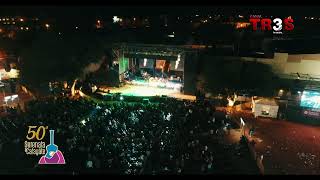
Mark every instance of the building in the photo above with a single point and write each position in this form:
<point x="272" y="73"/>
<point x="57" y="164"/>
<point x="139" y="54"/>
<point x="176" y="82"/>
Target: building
<point x="292" y="66"/>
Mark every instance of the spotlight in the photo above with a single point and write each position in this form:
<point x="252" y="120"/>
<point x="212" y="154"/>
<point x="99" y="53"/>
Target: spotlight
<point x="144" y="61"/>
<point x="177" y="62"/>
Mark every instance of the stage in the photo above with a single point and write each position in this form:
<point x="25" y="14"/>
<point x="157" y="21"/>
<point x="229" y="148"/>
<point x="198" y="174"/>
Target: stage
<point x="146" y="91"/>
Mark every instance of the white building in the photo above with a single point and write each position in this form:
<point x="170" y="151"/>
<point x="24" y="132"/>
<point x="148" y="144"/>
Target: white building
<point x="303" y="66"/>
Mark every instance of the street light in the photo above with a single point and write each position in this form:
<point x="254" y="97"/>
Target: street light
<point x="116" y="19"/>
<point x="4" y="94"/>
<point x="242" y="124"/>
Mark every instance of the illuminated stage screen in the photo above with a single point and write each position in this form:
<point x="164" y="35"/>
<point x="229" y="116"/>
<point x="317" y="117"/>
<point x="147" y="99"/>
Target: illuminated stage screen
<point x="310" y="99"/>
<point x="146" y="63"/>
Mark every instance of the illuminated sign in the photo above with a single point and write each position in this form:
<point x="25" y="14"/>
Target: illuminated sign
<point x="310" y="99"/>
<point x="311" y="113"/>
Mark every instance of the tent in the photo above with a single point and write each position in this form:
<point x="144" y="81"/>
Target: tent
<point x="265" y="108"/>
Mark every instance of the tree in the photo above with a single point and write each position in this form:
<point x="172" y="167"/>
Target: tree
<point x="53" y="57"/>
<point x="232" y="73"/>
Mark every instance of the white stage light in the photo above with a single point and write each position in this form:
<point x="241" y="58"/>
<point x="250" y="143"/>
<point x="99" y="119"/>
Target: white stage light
<point x="177" y="62"/>
<point x="145" y="61"/>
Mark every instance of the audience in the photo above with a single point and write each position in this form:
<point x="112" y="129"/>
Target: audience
<point x="171" y="137"/>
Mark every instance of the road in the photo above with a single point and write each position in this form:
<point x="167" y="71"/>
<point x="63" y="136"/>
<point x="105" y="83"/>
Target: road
<point x="287" y="147"/>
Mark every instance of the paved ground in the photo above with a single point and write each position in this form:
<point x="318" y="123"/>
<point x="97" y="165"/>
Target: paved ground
<point x="287" y="147"/>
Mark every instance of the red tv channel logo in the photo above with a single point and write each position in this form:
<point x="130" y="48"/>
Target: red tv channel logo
<point x="278" y="25"/>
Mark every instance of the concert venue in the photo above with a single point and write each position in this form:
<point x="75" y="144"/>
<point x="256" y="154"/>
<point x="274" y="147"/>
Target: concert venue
<point x="159" y="91"/>
<point x="147" y="70"/>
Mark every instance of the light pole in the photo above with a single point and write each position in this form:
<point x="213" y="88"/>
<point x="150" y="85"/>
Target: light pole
<point x="4" y="95"/>
<point x="243" y="125"/>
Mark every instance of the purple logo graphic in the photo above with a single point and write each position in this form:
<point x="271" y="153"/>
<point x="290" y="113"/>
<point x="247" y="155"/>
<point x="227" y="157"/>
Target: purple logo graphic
<point x="53" y="155"/>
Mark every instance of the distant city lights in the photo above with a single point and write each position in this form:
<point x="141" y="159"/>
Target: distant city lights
<point x="98" y="25"/>
<point x="116" y="19"/>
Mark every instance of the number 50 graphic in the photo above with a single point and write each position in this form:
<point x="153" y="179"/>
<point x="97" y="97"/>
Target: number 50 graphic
<point x="36" y="134"/>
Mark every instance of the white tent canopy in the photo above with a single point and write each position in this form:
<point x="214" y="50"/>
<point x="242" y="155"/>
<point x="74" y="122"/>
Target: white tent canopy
<point x="265" y="108"/>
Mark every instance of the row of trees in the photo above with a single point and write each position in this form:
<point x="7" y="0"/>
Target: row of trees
<point x="217" y="73"/>
<point x="52" y="57"/>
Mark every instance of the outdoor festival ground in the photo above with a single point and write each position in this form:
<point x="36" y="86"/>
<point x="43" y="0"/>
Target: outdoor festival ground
<point x="287" y="147"/>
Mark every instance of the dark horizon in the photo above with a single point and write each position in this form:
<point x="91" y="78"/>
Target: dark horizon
<point x="56" y="11"/>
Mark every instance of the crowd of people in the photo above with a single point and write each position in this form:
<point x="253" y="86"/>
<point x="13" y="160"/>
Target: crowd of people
<point x="171" y="137"/>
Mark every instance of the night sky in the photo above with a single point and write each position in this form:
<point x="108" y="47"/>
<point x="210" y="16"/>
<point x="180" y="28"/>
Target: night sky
<point x="62" y="11"/>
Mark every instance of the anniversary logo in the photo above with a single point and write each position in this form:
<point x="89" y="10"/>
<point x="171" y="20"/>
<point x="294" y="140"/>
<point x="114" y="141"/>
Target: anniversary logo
<point x="34" y="144"/>
<point x="50" y="153"/>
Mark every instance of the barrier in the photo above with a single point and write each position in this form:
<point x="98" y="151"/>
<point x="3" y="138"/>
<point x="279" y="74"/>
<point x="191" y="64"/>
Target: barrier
<point x="128" y="98"/>
<point x="254" y="155"/>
